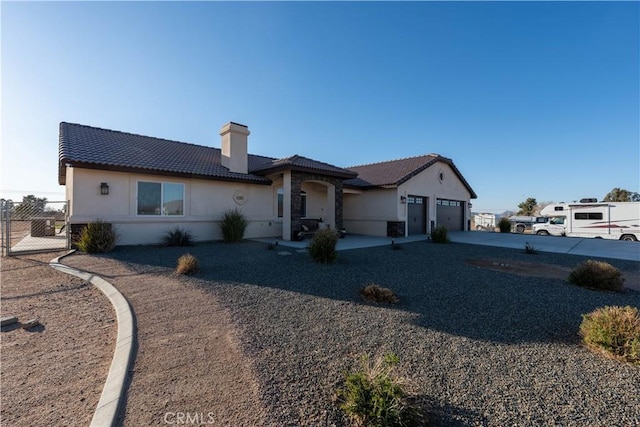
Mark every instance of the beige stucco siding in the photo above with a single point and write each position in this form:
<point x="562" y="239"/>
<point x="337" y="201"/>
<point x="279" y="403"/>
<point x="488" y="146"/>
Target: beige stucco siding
<point x="367" y="213"/>
<point x="204" y="203"/>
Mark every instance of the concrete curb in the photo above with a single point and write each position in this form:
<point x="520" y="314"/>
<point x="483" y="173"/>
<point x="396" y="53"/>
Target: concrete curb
<point x="114" y="387"/>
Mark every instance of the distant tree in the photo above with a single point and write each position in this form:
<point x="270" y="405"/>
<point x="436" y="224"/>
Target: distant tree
<point x="621" y="195"/>
<point x="31" y="205"/>
<point x="528" y="207"/>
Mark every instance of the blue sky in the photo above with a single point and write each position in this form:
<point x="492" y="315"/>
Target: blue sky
<point x="529" y="99"/>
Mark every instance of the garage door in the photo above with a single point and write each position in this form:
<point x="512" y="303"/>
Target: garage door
<point x="417" y="215"/>
<point x="450" y="213"/>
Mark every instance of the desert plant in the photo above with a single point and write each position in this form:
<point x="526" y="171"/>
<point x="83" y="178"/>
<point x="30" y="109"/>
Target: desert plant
<point x="375" y="293"/>
<point x="613" y="331"/>
<point x="504" y="225"/>
<point x="177" y="237"/>
<point x="439" y="234"/>
<point x="598" y="275"/>
<point x="233" y="225"/>
<point x="530" y="249"/>
<point x="323" y="246"/>
<point x="375" y="396"/>
<point x="97" y="237"/>
<point x="187" y="264"/>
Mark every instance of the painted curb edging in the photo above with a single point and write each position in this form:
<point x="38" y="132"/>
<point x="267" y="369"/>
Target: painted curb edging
<point x="113" y="391"/>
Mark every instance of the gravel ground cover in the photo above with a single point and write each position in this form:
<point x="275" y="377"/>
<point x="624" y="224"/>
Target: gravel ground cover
<point x="482" y="347"/>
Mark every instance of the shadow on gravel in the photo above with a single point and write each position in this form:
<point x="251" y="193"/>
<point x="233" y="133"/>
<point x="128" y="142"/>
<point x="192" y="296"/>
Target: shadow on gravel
<point x="434" y="284"/>
<point x="448" y="415"/>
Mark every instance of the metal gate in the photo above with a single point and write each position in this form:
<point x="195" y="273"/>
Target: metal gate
<point x="33" y="225"/>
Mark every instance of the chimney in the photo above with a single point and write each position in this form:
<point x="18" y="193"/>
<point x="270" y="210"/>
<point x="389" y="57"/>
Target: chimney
<point x="234" y="147"/>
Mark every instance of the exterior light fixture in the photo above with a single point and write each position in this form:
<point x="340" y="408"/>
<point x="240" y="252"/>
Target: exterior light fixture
<point x="104" y="188"/>
<point x="403" y="199"/>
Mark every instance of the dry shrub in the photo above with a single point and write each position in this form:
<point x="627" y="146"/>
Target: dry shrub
<point x="378" y="294"/>
<point x="613" y="331"/>
<point x="323" y="246"/>
<point x="97" y="237"/>
<point x="597" y="275"/>
<point x="188" y="264"/>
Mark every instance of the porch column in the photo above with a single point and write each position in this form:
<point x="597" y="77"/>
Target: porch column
<point x="286" y="205"/>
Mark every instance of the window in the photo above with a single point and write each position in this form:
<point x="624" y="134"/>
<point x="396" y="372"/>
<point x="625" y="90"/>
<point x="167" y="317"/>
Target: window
<point x="303" y="204"/>
<point x="280" y="196"/>
<point x="588" y="215"/>
<point x="559" y="220"/>
<point x="160" y="198"/>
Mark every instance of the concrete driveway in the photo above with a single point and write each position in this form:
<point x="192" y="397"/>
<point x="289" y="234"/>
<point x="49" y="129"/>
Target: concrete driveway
<point x="566" y="245"/>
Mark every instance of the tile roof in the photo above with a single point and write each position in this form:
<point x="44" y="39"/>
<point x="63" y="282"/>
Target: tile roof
<point x="306" y="164"/>
<point x="396" y="172"/>
<point x="91" y="147"/>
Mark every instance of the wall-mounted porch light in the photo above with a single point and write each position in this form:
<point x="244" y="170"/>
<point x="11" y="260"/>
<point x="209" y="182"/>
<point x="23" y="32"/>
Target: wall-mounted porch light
<point x="104" y="188"/>
<point x="403" y="199"/>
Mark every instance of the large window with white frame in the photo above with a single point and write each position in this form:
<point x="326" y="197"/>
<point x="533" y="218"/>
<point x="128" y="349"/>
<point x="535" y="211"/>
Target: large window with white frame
<point x="160" y="198"/>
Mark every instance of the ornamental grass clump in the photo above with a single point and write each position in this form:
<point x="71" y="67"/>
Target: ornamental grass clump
<point x="439" y="234"/>
<point x="504" y="225"/>
<point x="177" y="237"/>
<point x="378" y="294"/>
<point x="614" y="332"/>
<point x="97" y="237"/>
<point x="375" y="396"/>
<point x="233" y="226"/>
<point x="187" y="264"/>
<point x="323" y="246"/>
<point x="597" y="275"/>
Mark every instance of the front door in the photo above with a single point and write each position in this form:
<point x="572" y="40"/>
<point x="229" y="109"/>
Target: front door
<point x="417" y="215"/>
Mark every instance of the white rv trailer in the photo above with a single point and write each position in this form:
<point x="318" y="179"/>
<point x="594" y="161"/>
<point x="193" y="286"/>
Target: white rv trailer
<point x="606" y="220"/>
<point x="484" y="221"/>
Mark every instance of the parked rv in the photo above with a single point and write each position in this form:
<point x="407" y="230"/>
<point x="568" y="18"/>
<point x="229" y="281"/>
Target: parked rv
<point x="521" y="223"/>
<point x="606" y="220"/>
<point x="484" y="221"/>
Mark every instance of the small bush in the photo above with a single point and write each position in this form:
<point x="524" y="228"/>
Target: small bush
<point x="323" y="246"/>
<point x="233" y="226"/>
<point x="97" y="237"/>
<point x="439" y="234"/>
<point x="374" y="396"/>
<point x="504" y="225"/>
<point x="597" y="275"/>
<point x="613" y="331"/>
<point x="529" y="249"/>
<point x="187" y="264"/>
<point x="178" y="237"/>
<point x="375" y="293"/>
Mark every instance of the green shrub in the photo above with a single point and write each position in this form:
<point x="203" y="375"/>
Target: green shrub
<point x="233" y="226"/>
<point x="374" y="396"/>
<point x="178" y="237"/>
<point x="375" y="293"/>
<point x="613" y="331"/>
<point x="439" y="234"/>
<point x="504" y="225"/>
<point x="97" y="237"/>
<point x="187" y="264"/>
<point x="597" y="275"/>
<point x="323" y="246"/>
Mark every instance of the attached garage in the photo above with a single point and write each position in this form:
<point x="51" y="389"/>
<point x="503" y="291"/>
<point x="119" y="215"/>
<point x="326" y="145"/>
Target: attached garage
<point x="450" y="213"/>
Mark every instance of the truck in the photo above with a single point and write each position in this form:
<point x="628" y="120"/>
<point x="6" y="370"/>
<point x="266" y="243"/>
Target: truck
<point x="604" y="220"/>
<point x="484" y="221"/>
<point x="521" y="223"/>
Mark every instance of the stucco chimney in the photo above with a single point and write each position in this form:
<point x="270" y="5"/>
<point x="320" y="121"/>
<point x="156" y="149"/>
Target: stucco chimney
<point x="234" y="147"/>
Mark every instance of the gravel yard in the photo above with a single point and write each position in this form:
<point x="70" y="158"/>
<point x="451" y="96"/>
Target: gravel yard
<point x="483" y="347"/>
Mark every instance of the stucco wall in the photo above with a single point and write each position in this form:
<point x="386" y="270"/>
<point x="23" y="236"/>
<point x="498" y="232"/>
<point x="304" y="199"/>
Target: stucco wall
<point x="205" y="202"/>
<point x="428" y="184"/>
<point x="367" y="213"/>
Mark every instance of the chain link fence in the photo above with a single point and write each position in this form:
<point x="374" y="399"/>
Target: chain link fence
<point x="33" y="226"/>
